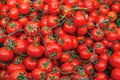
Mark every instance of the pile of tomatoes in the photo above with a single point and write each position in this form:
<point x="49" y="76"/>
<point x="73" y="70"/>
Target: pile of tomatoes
<point x="60" y="40"/>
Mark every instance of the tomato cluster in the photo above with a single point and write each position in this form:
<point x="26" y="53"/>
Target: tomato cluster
<point x="60" y="40"/>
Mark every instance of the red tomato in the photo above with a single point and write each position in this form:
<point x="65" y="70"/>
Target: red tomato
<point x="6" y="54"/>
<point x="14" y="13"/>
<point x="115" y="73"/>
<point x="100" y="76"/>
<point x="45" y="64"/>
<point x="30" y="63"/>
<point x="79" y="19"/>
<point x="35" y="50"/>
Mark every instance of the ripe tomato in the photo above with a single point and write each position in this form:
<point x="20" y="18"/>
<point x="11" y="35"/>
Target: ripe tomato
<point x="11" y="3"/>
<point x="115" y="73"/>
<point x="24" y="8"/>
<point x="54" y="51"/>
<point x="65" y="57"/>
<point x="13" y="26"/>
<point x="79" y="19"/>
<point x="6" y="54"/>
<point x="30" y="63"/>
<point x="114" y="59"/>
<point x="65" y="42"/>
<point x="16" y="74"/>
<point x="111" y="36"/>
<point x="14" y="13"/>
<point x="37" y="73"/>
<point x="104" y="9"/>
<point x="12" y="67"/>
<point x="45" y="64"/>
<point x="35" y="50"/>
<point x="112" y="15"/>
<point x="100" y="76"/>
<point x="101" y="66"/>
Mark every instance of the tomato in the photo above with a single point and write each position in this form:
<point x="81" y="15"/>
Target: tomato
<point x="32" y="39"/>
<point x="88" y="42"/>
<point x="65" y="57"/>
<point x="20" y="45"/>
<point x="23" y="21"/>
<point x="32" y="28"/>
<point x="13" y="67"/>
<point x="89" y="5"/>
<point x="105" y="56"/>
<point x="94" y="14"/>
<point x="89" y="68"/>
<point x="2" y="73"/>
<point x="67" y="67"/>
<point x="13" y="26"/>
<point x="3" y="22"/>
<point x="116" y="46"/>
<point x="52" y="21"/>
<point x="45" y="64"/>
<point x="69" y="28"/>
<point x="35" y="50"/>
<point x="4" y="10"/>
<point x="116" y="7"/>
<point x="24" y="8"/>
<point x="104" y="9"/>
<point x="6" y="54"/>
<point x="112" y="15"/>
<point x="54" y="51"/>
<point x="37" y="73"/>
<point x="115" y="73"/>
<point x="111" y="36"/>
<point x="14" y="13"/>
<point x="99" y="47"/>
<point x="101" y="21"/>
<point x="52" y="76"/>
<point x="114" y="59"/>
<point x="65" y="42"/>
<point x="60" y="32"/>
<point x="11" y="3"/>
<point x="30" y="63"/>
<point x="65" y="10"/>
<point x="96" y="4"/>
<point x="38" y="5"/>
<point x="53" y="6"/>
<point x="100" y="76"/>
<point x="101" y="66"/>
<point x="82" y="31"/>
<point x="46" y="30"/>
<point x="75" y="42"/>
<point x="49" y="39"/>
<point x="16" y="74"/>
<point x="80" y="75"/>
<point x="79" y="19"/>
<point x="69" y="2"/>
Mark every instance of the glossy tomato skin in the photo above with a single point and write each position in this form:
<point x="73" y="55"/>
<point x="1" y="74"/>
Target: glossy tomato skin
<point x="67" y="67"/>
<point x="65" y="57"/>
<point x="23" y="21"/>
<point x="21" y="46"/>
<point x="12" y="67"/>
<point x="54" y="50"/>
<point x="53" y="6"/>
<point x="13" y="26"/>
<point x="24" y="8"/>
<point x="69" y="28"/>
<point x="90" y="5"/>
<point x="30" y="63"/>
<point x="101" y="66"/>
<point x="65" y="42"/>
<point x="104" y="9"/>
<point x="100" y="76"/>
<point x="42" y="64"/>
<point x="6" y="55"/>
<point x="115" y="73"/>
<point x="111" y="36"/>
<point x="14" y="13"/>
<point x="79" y="19"/>
<point x="37" y="73"/>
<point x="14" y="75"/>
<point x="35" y="50"/>
<point x="11" y="3"/>
<point x="114" y="59"/>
